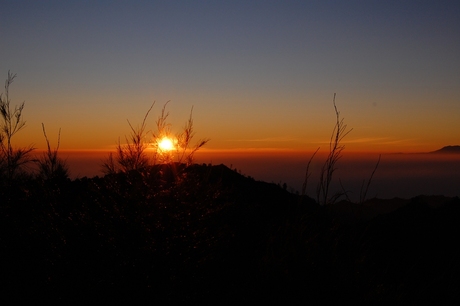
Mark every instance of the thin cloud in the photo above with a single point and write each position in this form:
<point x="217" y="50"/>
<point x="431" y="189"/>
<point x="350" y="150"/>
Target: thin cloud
<point x="269" y="139"/>
<point x="379" y="140"/>
<point x="367" y="140"/>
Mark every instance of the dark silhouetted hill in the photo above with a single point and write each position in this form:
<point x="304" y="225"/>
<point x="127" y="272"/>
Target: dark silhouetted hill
<point x="208" y="235"/>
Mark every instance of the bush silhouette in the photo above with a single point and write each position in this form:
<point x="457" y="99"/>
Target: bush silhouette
<point x="133" y="156"/>
<point x="50" y="166"/>
<point x="12" y="160"/>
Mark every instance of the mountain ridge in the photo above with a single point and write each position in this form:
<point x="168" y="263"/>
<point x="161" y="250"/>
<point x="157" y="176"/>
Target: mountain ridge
<point x="455" y="149"/>
<point x="451" y="149"/>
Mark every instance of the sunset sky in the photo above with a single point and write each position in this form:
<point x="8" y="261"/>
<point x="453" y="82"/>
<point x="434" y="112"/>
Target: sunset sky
<point x="259" y="74"/>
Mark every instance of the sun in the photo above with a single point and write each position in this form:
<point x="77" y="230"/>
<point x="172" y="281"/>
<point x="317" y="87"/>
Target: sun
<point x="166" y="144"/>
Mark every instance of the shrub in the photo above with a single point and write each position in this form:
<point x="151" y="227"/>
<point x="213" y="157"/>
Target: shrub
<point x="184" y="149"/>
<point x="50" y="166"/>
<point x="133" y="156"/>
<point x="129" y="156"/>
<point x="11" y="159"/>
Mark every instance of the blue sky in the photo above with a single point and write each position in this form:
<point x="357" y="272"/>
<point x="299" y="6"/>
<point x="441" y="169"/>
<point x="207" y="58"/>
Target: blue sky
<point x="260" y="74"/>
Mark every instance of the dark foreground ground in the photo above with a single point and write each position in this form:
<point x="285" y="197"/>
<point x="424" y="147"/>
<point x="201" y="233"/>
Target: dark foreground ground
<point x="208" y="235"/>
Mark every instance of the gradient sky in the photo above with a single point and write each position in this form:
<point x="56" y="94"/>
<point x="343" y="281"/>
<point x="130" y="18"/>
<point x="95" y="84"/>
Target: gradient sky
<point x="260" y="74"/>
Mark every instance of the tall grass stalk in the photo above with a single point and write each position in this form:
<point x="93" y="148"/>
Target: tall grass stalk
<point x="335" y="153"/>
<point x="363" y="194"/>
<point x="307" y="174"/>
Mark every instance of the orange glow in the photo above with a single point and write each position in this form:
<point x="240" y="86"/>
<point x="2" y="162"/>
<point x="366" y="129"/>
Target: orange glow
<point x="166" y="144"/>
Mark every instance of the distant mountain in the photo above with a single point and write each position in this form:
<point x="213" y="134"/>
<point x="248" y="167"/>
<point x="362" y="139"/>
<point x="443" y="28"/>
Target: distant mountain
<point x="449" y="149"/>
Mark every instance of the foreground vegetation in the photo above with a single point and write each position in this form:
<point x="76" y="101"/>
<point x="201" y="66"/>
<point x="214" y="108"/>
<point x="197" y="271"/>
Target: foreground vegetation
<point x="215" y="236"/>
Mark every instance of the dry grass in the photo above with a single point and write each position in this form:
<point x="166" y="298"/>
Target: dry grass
<point x="12" y="159"/>
<point x="132" y="155"/>
<point x="50" y="166"/>
<point x="335" y="153"/>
